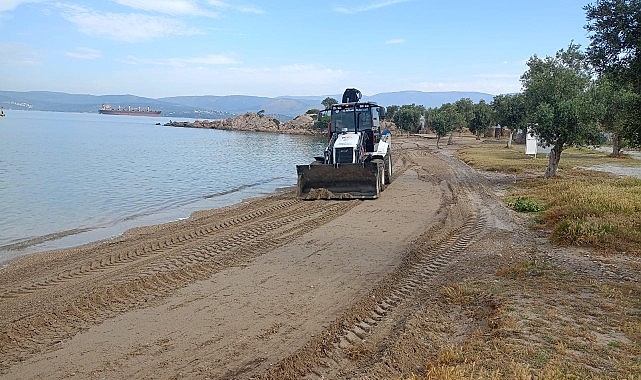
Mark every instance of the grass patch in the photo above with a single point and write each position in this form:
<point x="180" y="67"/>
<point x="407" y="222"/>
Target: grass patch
<point x="501" y="159"/>
<point x="513" y="160"/>
<point x="589" y="209"/>
<point x="461" y="294"/>
<point x="525" y="204"/>
<point x="579" y="207"/>
<point x="523" y="269"/>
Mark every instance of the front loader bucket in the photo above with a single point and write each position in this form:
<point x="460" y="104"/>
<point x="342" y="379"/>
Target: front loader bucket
<point x="341" y="181"/>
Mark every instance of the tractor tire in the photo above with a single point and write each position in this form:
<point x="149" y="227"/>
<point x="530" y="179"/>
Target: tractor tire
<point x="388" y="169"/>
<point x="381" y="178"/>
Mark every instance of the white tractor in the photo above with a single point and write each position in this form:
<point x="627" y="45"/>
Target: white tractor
<point x="357" y="162"/>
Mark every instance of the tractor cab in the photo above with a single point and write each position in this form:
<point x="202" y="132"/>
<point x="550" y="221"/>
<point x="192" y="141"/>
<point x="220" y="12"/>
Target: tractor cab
<point x="355" y="118"/>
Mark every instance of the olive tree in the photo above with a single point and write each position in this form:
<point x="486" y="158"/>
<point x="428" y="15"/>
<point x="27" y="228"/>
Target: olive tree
<point x="407" y="117"/>
<point x="444" y="120"/>
<point x="557" y="104"/>
<point x="390" y="112"/>
<point x="509" y="110"/>
<point x="465" y="107"/>
<point x="615" y="47"/>
<point x="482" y="118"/>
<point x="615" y="52"/>
<point x="615" y="108"/>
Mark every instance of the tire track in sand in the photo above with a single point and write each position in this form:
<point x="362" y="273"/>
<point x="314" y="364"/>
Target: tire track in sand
<point x="111" y="259"/>
<point x="118" y="279"/>
<point x="372" y="319"/>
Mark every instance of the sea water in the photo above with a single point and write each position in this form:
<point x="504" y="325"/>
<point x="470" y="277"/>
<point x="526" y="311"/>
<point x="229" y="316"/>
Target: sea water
<point x="71" y="178"/>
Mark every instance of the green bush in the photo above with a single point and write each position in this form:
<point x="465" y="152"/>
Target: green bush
<point x="524" y="204"/>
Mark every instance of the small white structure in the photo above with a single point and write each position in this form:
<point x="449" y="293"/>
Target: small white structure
<point x="533" y="145"/>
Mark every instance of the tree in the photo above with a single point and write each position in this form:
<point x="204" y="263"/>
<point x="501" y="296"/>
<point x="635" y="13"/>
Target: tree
<point x="328" y="102"/>
<point x="615" y="52"/>
<point x="437" y="121"/>
<point x="407" y="117"/>
<point x="509" y="111"/>
<point x="465" y="107"/>
<point x="557" y="103"/>
<point x="322" y="122"/>
<point x="444" y="120"/>
<point x="390" y="112"/>
<point x="614" y="108"/>
<point x="616" y="39"/>
<point x="482" y="118"/>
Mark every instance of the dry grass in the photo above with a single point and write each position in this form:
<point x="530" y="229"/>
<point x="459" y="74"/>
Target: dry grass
<point x="583" y="208"/>
<point x="543" y="318"/>
<point x="553" y="322"/>
<point x="461" y="294"/>
<point x="579" y="207"/>
<point x="496" y="157"/>
<point x="553" y="326"/>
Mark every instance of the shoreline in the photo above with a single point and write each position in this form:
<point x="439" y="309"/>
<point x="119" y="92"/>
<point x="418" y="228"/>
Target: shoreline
<point x="165" y="175"/>
<point x="89" y="236"/>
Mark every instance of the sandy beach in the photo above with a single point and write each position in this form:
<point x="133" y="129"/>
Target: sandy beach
<point x="281" y="288"/>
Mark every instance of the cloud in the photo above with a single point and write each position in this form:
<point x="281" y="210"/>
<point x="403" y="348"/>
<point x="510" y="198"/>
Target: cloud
<point x="7" y="5"/>
<point x="290" y="71"/>
<point x="491" y="84"/>
<point x="368" y="7"/>
<point x="292" y="79"/>
<point x="172" y="7"/>
<point x="395" y="41"/>
<point x="21" y="55"/>
<point x="85" y="54"/>
<point x="296" y="77"/>
<point x="236" y="7"/>
<point x="206" y="60"/>
<point x="129" y="27"/>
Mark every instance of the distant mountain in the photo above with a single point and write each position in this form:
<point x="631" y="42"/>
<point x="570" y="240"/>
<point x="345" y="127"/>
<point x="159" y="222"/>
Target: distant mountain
<point x="239" y="104"/>
<point x="63" y="102"/>
<point x="215" y="107"/>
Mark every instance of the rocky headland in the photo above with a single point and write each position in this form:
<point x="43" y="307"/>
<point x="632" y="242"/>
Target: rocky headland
<point x="252" y="122"/>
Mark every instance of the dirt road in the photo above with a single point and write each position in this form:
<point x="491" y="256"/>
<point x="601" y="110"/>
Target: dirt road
<point x="282" y="288"/>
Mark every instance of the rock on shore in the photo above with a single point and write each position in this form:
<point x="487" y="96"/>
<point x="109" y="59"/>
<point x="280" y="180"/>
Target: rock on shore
<point x="301" y="125"/>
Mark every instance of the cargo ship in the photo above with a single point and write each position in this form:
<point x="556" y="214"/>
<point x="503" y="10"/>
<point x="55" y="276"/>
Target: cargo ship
<point x="106" y="109"/>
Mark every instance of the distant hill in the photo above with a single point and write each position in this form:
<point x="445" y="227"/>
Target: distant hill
<point x="216" y="107"/>
<point x="239" y="104"/>
<point x="63" y="102"/>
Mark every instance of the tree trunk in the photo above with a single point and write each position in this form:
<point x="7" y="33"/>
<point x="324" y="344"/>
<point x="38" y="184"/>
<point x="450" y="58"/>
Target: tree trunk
<point x="509" y="139"/>
<point x="616" y="145"/>
<point x="478" y="134"/>
<point x="438" y="138"/>
<point x="449" y="141"/>
<point x="553" y="163"/>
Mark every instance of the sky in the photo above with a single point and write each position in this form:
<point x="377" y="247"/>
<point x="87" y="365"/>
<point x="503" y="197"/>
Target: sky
<point x="161" y="48"/>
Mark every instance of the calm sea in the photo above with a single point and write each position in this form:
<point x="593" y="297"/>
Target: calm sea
<point x="71" y="178"/>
